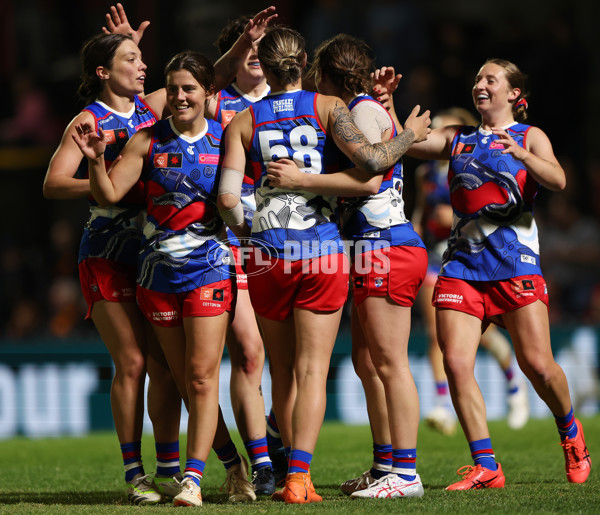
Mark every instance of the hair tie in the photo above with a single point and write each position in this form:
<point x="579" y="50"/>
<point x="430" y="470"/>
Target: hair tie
<point x="522" y="102"/>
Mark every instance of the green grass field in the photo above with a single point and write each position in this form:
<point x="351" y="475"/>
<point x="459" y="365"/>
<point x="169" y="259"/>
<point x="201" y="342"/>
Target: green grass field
<point x="84" y="475"/>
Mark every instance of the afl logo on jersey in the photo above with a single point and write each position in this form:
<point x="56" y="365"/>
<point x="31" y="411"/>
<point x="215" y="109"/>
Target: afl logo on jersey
<point x="478" y="190"/>
<point x="114" y="136"/>
<point x="168" y="160"/>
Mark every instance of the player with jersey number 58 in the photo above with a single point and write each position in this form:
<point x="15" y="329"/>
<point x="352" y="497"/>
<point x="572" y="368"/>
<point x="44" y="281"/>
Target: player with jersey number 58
<point x="491" y="269"/>
<point x="299" y="298"/>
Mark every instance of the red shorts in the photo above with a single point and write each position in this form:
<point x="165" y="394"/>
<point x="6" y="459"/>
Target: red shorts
<point x="104" y="279"/>
<point x="397" y="272"/>
<point x="241" y="278"/>
<point x="486" y="299"/>
<point x="278" y="286"/>
<point x="169" y="309"/>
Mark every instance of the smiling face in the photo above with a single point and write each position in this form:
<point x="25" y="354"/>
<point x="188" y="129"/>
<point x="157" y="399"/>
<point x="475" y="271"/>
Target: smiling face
<point x="127" y="72"/>
<point x="492" y="91"/>
<point x="186" y="97"/>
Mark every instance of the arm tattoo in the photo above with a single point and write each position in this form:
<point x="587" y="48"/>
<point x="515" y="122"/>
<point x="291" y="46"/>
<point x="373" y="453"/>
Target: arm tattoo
<point x="372" y="158"/>
<point x="345" y="127"/>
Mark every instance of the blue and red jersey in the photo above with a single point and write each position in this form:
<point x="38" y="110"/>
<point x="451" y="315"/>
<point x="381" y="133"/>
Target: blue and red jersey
<point x="494" y="236"/>
<point x="181" y="248"/>
<point x="114" y="232"/>
<point x="379" y="217"/>
<point x="231" y="101"/>
<point x="297" y="224"/>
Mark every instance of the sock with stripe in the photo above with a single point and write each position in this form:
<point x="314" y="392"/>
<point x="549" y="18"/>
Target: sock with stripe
<point x="273" y="435"/>
<point x="228" y="455"/>
<point x="299" y="461"/>
<point x="194" y="470"/>
<point x="483" y="454"/>
<point x="132" y="460"/>
<point x="167" y="459"/>
<point x="442" y="394"/>
<point x="404" y="463"/>
<point x="567" y="428"/>
<point x="258" y="454"/>
<point x="382" y="460"/>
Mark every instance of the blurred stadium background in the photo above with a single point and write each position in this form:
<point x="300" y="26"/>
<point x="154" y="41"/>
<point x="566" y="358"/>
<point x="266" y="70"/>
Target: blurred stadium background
<point x="54" y="371"/>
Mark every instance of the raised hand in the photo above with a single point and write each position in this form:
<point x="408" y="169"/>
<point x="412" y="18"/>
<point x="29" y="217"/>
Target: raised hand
<point x="255" y="28"/>
<point x="419" y="124"/>
<point x="117" y="23"/>
<point x="91" y="144"/>
<point x="385" y="82"/>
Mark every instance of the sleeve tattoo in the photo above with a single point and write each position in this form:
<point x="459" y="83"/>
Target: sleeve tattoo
<point x="373" y="158"/>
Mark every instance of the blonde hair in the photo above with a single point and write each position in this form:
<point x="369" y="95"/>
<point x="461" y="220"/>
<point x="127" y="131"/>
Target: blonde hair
<point x="281" y="53"/>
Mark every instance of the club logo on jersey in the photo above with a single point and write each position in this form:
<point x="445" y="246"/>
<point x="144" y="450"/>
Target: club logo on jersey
<point x="464" y="148"/>
<point x="378" y="282"/>
<point x="215" y="294"/>
<point x="170" y="160"/>
<point x="227" y="116"/>
<point x="114" y="136"/>
<point x="208" y="159"/>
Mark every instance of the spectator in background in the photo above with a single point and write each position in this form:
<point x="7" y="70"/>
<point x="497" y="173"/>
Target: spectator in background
<point x="32" y="111"/>
<point x="570" y="245"/>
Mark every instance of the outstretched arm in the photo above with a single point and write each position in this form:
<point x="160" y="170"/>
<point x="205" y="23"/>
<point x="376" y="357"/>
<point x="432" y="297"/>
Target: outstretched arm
<point x="284" y="173"/>
<point x="228" y="64"/>
<point x="117" y="23"/>
<point x="380" y="156"/>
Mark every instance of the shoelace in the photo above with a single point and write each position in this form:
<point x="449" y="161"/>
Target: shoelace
<point x="186" y="484"/>
<point x="572" y="451"/>
<point x="144" y="481"/>
<point x="233" y="482"/>
<point x="466" y="471"/>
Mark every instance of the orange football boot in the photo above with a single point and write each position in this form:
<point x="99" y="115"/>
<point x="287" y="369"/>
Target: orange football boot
<point x="478" y="477"/>
<point x="577" y="458"/>
<point x="298" y="489"/>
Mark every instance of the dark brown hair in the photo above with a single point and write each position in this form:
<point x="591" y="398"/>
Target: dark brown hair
<point x="231" y="32"/>
<point x="197" y="64"/>
<point x="347" y="61"/>
<point x="97" y="51"/>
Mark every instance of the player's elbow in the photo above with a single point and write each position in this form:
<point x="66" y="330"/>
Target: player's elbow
<point x="226" y="201"/>
<point x="48" y="191"/>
